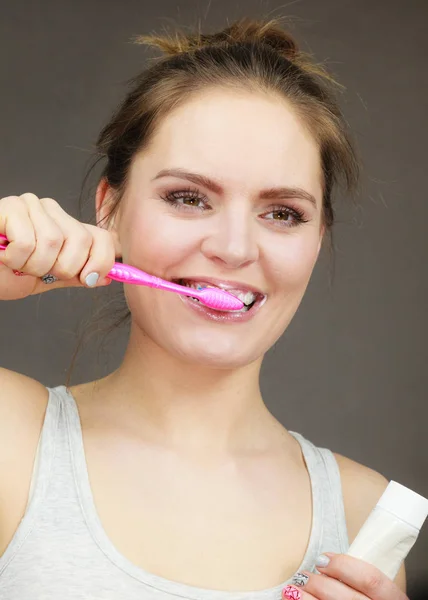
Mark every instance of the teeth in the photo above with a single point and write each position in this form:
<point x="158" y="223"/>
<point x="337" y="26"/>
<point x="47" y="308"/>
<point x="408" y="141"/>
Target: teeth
<point x="246" y="297"/>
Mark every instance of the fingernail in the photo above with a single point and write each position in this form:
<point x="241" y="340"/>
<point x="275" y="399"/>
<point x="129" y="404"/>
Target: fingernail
<point x="291" y="593"/>
<point x="92" y="279"/>
<point x="322" y="561"/>
<point x="19" y="273"/>
<point x="300" y="579"/>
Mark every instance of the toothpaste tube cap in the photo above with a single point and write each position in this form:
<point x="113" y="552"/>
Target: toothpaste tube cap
<point x="404" y="503"/>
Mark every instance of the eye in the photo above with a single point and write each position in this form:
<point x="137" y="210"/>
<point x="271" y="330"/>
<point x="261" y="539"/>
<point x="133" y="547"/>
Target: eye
<point x="186" y="199"/>
<point x="285" y="216"/>
<point x="191" y="199"/>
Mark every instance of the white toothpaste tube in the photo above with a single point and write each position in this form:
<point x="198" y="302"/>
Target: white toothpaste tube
<point x="391" y="529"/>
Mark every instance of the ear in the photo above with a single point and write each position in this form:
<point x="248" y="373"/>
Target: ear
<point x="103" y="207"/>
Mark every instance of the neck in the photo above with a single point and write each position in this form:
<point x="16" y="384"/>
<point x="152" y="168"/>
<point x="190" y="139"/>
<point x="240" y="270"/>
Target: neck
<point x="186" y="406"/>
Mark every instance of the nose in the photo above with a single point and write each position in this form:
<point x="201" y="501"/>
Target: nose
<point x="232" y="242"/>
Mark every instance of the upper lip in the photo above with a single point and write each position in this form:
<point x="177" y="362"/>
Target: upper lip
<point x="226" y="284"/>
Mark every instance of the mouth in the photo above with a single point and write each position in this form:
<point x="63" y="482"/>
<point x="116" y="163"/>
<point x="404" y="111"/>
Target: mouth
<point x="250" y="296"/>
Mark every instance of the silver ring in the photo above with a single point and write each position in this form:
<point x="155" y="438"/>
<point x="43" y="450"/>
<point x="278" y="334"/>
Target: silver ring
<point x="48" y="278"/>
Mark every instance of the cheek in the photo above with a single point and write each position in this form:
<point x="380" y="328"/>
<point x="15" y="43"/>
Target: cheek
<point x="156" y="242"/>
<point x="293" y="266"/>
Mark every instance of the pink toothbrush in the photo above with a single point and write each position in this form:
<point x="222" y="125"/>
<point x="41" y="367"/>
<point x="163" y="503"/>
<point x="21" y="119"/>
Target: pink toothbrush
<point x="211" y="297"/>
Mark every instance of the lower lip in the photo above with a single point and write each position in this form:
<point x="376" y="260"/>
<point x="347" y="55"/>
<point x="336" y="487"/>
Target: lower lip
<point x="220" y="316"/>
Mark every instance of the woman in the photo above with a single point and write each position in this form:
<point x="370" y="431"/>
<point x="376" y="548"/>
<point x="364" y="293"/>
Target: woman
<point x="170" y="478"/>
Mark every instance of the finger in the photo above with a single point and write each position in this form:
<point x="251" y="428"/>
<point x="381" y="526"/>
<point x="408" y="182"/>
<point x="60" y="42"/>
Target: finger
<point x="323" y="587"/>
<point x="76" y="245"/>
<point x="49" y="238"/>
<point x="290" y="592"/>
<point x="19" y="229"/>
<point x="87" y="251"/>
<point x="101" y="258"/>
<point x="362" y="576"/>
<point x="75" y="268"/>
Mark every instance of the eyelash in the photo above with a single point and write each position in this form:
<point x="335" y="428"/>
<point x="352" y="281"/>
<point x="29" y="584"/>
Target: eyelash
<point x="174" y="196"/>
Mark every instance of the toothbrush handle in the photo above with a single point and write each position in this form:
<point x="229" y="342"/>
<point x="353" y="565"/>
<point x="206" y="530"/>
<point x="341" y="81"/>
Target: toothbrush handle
<point x="130" y="274"/>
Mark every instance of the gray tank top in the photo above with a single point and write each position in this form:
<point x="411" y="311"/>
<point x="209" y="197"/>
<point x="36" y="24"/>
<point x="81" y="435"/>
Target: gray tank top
<point x="60" y="549"/>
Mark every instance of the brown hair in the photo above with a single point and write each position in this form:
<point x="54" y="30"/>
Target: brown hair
<point x="250" y="54"/>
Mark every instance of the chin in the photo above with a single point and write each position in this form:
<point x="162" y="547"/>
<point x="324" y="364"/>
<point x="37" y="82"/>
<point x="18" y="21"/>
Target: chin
<point x="221" y="354"/>
<point x="219" y="362"/>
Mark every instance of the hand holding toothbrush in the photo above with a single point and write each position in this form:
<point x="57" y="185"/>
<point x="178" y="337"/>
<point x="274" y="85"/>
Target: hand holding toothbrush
<point x="45" y="240"/>
<point x="40" y="241"/>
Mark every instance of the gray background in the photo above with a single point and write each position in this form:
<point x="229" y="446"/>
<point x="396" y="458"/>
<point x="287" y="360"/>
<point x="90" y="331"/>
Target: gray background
<point x="351" y="371"/>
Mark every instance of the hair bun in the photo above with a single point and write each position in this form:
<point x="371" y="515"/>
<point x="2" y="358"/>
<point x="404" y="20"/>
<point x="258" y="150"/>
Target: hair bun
<point x="263" y="32"/>
<point x="244" y="30"/>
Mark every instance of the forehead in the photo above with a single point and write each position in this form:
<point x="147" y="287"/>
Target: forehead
<point x="247" y="140"/>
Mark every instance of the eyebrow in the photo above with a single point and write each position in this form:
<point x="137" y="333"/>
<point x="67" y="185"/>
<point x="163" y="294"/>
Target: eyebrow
<point x="214" y="186"/>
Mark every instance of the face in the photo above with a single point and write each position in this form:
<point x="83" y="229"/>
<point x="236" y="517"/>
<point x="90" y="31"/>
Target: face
<point x="224" y="229"/>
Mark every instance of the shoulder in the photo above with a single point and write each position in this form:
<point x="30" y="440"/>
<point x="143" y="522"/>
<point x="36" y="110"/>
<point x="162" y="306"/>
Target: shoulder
<point x="362" y="487"/>
<point x="23" y="402"/>
<point x="16" y="389"/>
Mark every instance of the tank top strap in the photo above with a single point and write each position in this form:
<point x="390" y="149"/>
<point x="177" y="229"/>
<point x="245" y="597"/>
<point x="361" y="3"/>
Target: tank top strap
<point x="328" y="490"/>
<point x="335" y="492"/>
<point x="47" y="449"/>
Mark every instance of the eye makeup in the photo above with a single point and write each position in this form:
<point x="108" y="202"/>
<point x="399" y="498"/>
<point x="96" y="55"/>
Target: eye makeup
<point x="188" y="199"/>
